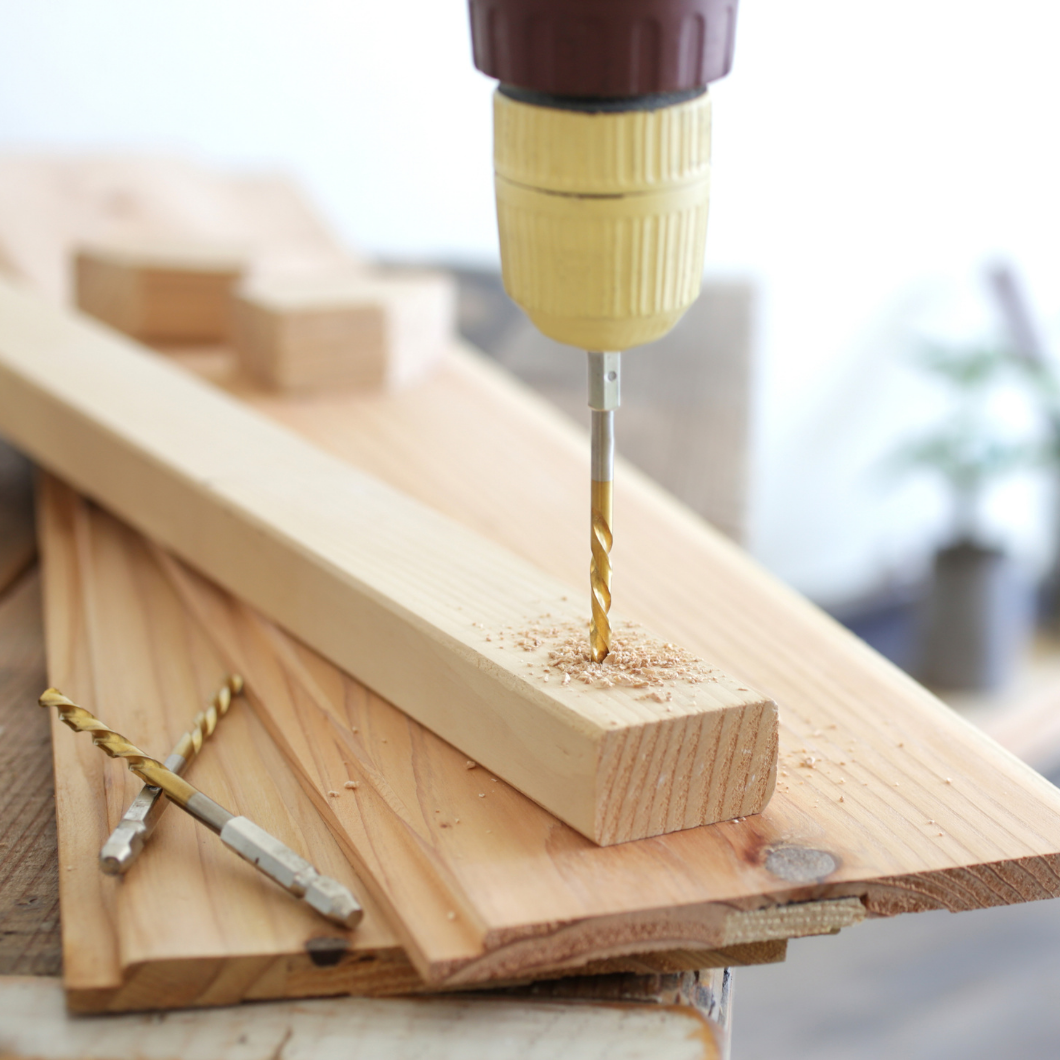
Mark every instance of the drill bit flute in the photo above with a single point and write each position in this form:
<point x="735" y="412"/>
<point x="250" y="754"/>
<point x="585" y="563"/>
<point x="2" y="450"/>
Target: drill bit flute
<point x="604" y="398"/>
<point x="253" y="844"/>
<point x="134" y="829"/>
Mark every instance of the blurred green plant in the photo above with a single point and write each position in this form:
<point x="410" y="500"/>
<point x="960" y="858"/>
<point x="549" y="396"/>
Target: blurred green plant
<point x="968" y="451"/>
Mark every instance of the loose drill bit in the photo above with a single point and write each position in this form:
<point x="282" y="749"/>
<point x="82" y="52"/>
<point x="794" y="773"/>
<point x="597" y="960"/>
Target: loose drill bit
<point x="604" y="398"/>
<point x="254" y="844"/>
<point x="134" y="829"/>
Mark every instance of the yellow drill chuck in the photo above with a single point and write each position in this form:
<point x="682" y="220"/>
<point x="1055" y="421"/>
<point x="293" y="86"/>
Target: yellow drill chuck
<point x="602" y="214"/>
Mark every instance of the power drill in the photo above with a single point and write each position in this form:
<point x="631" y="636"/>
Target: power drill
<point x="601" y="127"/>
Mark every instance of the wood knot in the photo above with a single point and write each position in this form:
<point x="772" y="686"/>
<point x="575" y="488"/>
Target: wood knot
<point x="800" y="864"/>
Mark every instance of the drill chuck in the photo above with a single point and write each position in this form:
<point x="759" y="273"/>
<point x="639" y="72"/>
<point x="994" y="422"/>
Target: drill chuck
<point x="602" y="213"/>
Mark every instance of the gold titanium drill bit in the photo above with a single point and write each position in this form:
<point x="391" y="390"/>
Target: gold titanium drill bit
<point x="253" y="844"/>
<point x="135" y="828"/>
<point x="604" y="398"/>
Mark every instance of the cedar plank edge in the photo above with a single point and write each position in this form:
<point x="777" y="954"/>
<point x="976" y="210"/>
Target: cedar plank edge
<point x="387" y="589"/>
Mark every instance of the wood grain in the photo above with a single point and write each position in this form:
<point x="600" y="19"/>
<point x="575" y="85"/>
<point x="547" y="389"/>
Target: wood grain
<point x="33" y="1026"/>
<point x="883" y="793"/>
<point x="853" y="726"/>
<point x="190" y="924"/>
<point x="372" y="579"/>
<point x="486" y="885"/>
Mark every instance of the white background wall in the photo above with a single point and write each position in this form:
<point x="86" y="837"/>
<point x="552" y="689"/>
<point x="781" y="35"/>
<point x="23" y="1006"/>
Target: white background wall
<point x="869" y="157"/>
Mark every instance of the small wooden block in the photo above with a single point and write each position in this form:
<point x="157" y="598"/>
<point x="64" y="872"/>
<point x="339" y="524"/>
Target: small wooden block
<point x="378" y="331"/>
<point x="160" y="291"/>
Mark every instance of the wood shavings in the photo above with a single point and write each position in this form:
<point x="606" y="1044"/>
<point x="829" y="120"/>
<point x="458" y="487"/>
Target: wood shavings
<point x="637" y="660"/>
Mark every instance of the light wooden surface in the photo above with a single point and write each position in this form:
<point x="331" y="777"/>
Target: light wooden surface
<point x="873" y="767"/>
<point x="50" y="204"/>
<point x="159" y="291"/>
<point x="380" y="330"/>
<point x="190" y="924"/>
<point x="482" y="884"/>
<point x="33" y="1026"/>
<point x="372" y="579"/>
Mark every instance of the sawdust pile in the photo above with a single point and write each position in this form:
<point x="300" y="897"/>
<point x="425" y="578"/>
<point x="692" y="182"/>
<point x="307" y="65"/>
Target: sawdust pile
<point x="636" y="660"/>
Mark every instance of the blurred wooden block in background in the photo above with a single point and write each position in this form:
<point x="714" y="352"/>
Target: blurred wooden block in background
<point x="160" y="291"/>
<point x="378" y="331"/>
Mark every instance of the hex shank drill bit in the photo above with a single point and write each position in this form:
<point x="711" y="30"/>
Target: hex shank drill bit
<point x="604" y="398"/>
<point x="123" y="846"/>
<point x="254" y="844"/>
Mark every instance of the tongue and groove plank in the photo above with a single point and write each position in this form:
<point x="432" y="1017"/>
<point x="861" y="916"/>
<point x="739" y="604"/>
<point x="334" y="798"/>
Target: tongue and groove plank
<point x="191" y="924"/>
<point x="374" y="580"/>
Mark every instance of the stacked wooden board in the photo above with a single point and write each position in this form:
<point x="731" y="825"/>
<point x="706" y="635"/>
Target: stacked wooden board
<point x="886" y="802"/>
<point x="872" y="768"/>
<point x="189" y="924"/>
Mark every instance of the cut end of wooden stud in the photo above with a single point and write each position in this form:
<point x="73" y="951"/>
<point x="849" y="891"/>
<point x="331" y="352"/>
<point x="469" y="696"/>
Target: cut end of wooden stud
<point x="160" y="291"/>
<point x="377" y="331"/>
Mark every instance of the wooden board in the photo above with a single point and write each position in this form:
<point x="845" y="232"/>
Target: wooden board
<point x="223" y="932"/>
<point x="33" y="1026"/>
<point x="884" y="792"/>
<point x="417" y="606"/>
<point x="160" y="291"/>
<point x="50" y="204"/>
<point x="190" y="924"/>
<point x="482" y="884"/>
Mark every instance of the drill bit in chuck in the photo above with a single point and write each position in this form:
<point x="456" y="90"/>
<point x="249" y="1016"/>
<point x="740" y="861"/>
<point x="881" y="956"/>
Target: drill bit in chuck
<point x="134" y="829"/>
<point x="604" y="398"/>
<point x="254" y="844"/>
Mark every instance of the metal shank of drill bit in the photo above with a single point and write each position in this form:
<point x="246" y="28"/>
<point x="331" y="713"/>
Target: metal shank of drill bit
<point x="124" y="844"/>
<point x="604" y="398"/>
<point x="327" y="896"/>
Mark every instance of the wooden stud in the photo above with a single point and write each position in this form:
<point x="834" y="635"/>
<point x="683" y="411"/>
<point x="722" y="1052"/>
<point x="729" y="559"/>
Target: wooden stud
<point x="377" y="331"/>
<point x="407" y="600"/>
<point x="162" y="292"/>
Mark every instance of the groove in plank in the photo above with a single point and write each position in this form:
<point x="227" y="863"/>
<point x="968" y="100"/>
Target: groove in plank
<point x="373" y="579"/>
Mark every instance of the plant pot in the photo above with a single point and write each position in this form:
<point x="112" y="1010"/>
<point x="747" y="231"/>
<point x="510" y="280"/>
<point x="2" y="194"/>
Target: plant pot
<point x="978" y="619"/>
